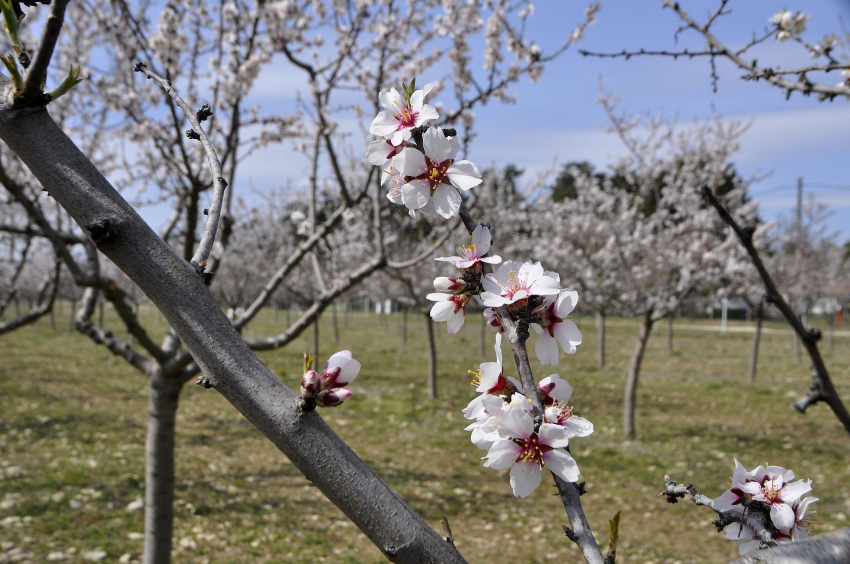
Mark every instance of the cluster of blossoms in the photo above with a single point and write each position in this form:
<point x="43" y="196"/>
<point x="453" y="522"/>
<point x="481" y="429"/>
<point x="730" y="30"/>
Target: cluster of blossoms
<point x="789" y="24"/>
<point x="773" y="489"/>
<point x="328" y="389"/>
<point x="419" y="162"/>
<point x="503" y="425"/>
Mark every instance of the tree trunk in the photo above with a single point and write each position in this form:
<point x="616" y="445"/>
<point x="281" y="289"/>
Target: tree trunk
<point x="601" y="330"/>
<point x="630" y="396"/>
<point x="336" y="323"/>
<point x="52" y="319"/>
<point x="797" y="353"/>
<point x="71" y="320"/>
<point x="316" y="340"/>
<point x="670" y="333"/>
<point x="831" y="332"/>
<point x="287" y="314"/>
<point x="432" y="357"/>
<point x="100" y="314"/>
<point x="404" y="327"/>
<point x="754" y="359"/>
<point x="159" y="469"/>
<point x="17" y="307"/>
<point x="274" y="312"/>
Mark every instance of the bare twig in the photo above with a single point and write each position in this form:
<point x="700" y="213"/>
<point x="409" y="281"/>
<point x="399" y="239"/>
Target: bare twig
<point x="43" y="304"/>
<point x="756" y="517"/>
<point x="219" y="183"/>
<point x="823" y="386"/>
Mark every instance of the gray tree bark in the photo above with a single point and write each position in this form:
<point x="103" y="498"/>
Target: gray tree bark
<point x="178" y="290"/>
<point x="432" y="357"/>
<point x="670" y="334"/>
<point x="630" y="396"/>
<point x="828" y="548"/>
<point x="159" y="468"/>
<point x="336" y="323"/>
<point x="754" y="357"/>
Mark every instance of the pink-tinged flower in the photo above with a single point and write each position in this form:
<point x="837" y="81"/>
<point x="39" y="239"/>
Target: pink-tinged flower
<point x="559" y="413"/>
<point x="514" y="282"/>
<point x="333" y="397"/>
<point x="804" y="520"/>
<point x="340" y="370"/>
<point x="380" y="151"/>
<point x="490" y="377"/>
<point x="444" y="284"/>
<point x="494" y="324"/>
<point x="554" y="328"/>
<point x="553" y="388"/>
<point x="450" y="308"/>
<point x="771" y="486"/>
<point x="400" y="116"/>
<point x="747" y="539"/>
<point x="433" y="178"/>
<point x="311" y="383"/>
<point x="527" y="452"/>
<point x="483" y="411"/>
<point x="473" y="253"/>
<point x="730" y="500"/>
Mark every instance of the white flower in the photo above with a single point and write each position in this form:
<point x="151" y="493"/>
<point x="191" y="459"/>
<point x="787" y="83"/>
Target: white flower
<point x="380" y="151"/>
<point x="554" y="328"/>
<point x="474" y="252"/>
<point x="514" y="282"/>
<point x="789" y="23"/>
<point x="400" y="117"/>
<point x="445" y="284"/>
<point x="433" y="178"/>
<point x="802" y="528"/>
<point x="747" y="539"/>
<point x="526" y="452"/>
<point x="494" y="324"/>
<point x="772" y="486"/>
<point x="553" y="388"/>
<point x="450" y="308"/>
<point x="559" y="413"/>
<point x="340" y="370"/>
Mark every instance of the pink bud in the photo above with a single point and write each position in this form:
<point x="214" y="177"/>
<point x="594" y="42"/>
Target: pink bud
<point x="310" y="383"/>
<point x="333" y="397"/>
<point x="444" y="284"/>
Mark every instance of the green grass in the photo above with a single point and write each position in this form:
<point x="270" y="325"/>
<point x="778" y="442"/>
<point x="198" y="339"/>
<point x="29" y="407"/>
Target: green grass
<point x="72" y="421"/>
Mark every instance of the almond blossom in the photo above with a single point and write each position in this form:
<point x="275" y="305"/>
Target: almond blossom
<point x="553" y="388"/>
<point x="804" y="519"/>
<point x="559" y="413"/>
<point x="431" y="180"/>
<point x="329" y="388"/>
<point x="514" y="282"/>
<point x="770" y="485"/>
<point x="472" y="254"/>
<point x="554" y="328"/>
<point x="748" y="541"/>
<point x="450" y="308"/>
<point x="788" y="23"/>
<point x="526" y="452"/>
<point x="401" y="114"/>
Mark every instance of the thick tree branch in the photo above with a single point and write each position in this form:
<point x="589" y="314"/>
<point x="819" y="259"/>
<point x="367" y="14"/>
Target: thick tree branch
<point x="828" y="548"/>
<point x="823" y="383"/>
<point x="228" y="364"/>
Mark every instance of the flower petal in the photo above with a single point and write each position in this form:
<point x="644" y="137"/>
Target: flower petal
<point x="525" y="477"/>
<point x="562" y="465"/>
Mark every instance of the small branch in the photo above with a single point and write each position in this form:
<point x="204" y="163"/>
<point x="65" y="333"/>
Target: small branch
<point x="43" y="306"/>
<point x="756" y="516"/>
<point x="201" y="255"/>
<point x="815" y="395"/>
<point x="823" y="383"/>
<point x="827" y="548"/>
<point x="37" y="72"/>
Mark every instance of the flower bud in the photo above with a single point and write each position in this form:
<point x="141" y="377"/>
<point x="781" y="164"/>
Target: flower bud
<point x="444" y="284"/>
<point x="310" y="383"/>
<point x="333" y="397"/>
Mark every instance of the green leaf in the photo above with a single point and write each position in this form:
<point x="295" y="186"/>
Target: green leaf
<point x="615" y="534"/>
<point x="12" y="66"/>
<point x="12" y="24"/>
<point x="70" y="81"/>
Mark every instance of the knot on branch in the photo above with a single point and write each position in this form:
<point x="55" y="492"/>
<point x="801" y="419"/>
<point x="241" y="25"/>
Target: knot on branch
<point x="204" y="113"/>
<point x="815" y="395"/>
<point x="306" y="405"/>
<point x="140" y="67"/>
<point x="192" y="134"/>
<point x="570" y="533"/>
<point x="204" y="382"/>
<point x="580" y="487"/>
<point x="100" y="231"/>
<point x="814" y="334"/>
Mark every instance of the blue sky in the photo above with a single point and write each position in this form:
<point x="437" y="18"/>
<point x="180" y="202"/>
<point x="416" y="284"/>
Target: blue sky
<point x="557" y="118"/>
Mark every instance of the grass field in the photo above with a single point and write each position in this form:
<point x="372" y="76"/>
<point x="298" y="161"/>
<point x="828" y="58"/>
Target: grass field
<point x="72" y="426"/>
